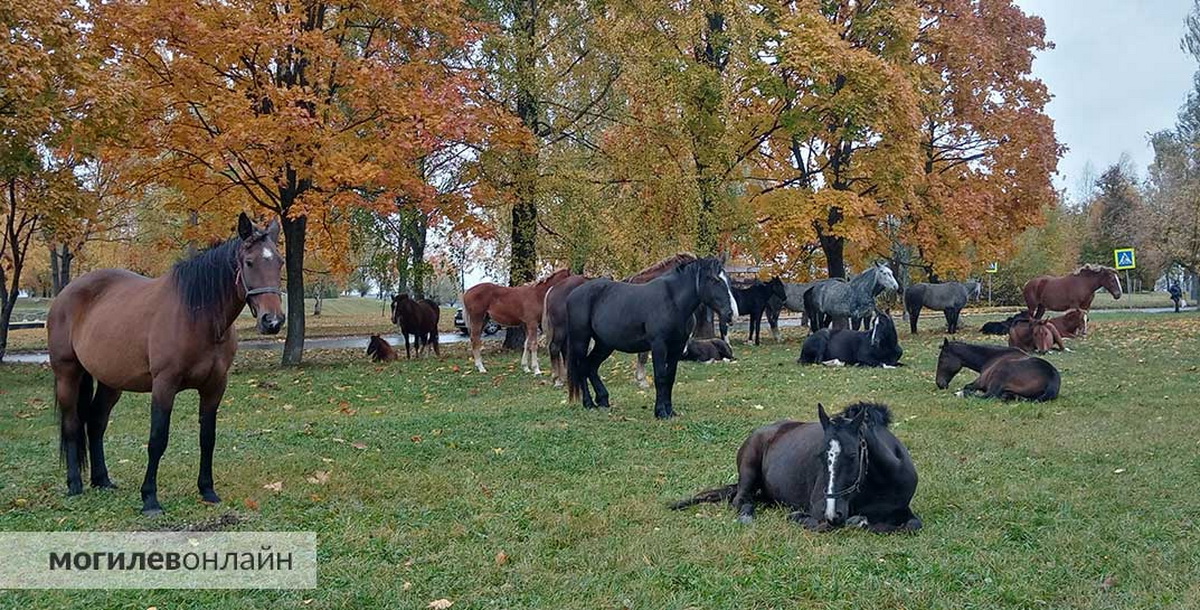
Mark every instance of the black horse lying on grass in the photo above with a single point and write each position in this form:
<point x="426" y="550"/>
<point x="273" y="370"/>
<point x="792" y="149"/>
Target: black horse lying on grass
<point x="836" y="347"/>
<point x="707" y="350"/>
<point x="1001" y="327"/>
<point x="849" y="470"/>
<point x="1004" y="372"/>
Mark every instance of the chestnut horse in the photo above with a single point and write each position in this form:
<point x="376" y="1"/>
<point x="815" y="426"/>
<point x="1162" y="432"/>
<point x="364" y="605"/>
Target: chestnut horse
<point x="1074" y="291"/>
<point x="380" y="350"/>
<point x="1069" y="323"/>
<point x="131" y="333"/>
<point x="1035" y="336"/>
<point x="509" y="306"/>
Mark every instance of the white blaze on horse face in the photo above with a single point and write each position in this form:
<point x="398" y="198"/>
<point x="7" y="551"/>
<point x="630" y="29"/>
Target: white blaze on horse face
<point x="267" y="254"/>
<point x="831" y="456"/>
<point x="729" y="290"/>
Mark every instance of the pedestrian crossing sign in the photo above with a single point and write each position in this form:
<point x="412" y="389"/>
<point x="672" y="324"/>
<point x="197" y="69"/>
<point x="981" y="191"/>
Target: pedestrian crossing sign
<point x="1125" y="258"/>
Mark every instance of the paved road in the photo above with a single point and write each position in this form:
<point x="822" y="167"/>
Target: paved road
<point x="444" y="338"/>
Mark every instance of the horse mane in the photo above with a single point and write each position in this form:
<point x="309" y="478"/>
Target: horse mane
<point x="656" y="269"/>
<point x="877" y="414"/>
<point x="206" y="280"/>
<point x="1093" y="268"/>
<point x="551" y="276"/>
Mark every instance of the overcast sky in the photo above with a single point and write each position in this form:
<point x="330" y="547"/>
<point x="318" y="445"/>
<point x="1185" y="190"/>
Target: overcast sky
<point x="1117" y="74"/>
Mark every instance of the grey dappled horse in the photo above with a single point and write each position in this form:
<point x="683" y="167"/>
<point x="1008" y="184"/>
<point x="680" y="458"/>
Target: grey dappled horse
<point x="853" y="299"/>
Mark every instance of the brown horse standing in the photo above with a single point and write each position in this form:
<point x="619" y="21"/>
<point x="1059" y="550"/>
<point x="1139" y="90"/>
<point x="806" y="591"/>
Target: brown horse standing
<point x="380" y="350"/>
<point x="509" y="306"/>
<point x="128" y="332"/>
<point x="1074" y="291"/>
<point x="418" y="318"/>
<point x="554" y="325"/>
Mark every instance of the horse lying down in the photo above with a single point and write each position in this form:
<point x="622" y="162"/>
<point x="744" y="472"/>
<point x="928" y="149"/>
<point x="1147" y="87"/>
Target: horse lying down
<point x="1004" y="372"/>
<point x="1001" y="327"/>
<point x="848" y="470"/>
<point x="380" y="350"/>
<point x="708" y="350"/>
<point x="837" y="347"/>
<point x="1035" y="336"/>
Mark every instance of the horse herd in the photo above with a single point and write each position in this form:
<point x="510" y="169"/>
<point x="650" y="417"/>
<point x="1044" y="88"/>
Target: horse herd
<point x="112" y="331"/>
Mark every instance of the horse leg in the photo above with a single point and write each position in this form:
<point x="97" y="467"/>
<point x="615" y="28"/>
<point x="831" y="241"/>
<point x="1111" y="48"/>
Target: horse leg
<point x="949" y="313"/>
<point x="162" y="401"/>
<point x="407" y="353"/>
<point x="69" y="376"/>
<point x="640" y="370"/>
<point x="749" y="482"/>
<point x="97" y="424"/>
<point x="210" y="401"/>
<point x="475" y="324"/>
<point x="665" y="367"/>
<point x="531" y="346"/>
<point x="599" y="354"/>
<point x="773" y="323"/>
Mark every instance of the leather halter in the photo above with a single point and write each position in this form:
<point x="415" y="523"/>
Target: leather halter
<point x="862" y="472"/>
<point x="249" y="292"/>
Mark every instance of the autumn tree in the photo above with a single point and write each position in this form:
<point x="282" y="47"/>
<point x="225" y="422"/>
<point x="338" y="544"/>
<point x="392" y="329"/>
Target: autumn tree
<point x="45" y="76"/>
<point x="303" y="110"/>
<point x="988" y="148"/>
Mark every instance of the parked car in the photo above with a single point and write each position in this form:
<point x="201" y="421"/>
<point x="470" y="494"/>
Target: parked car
<point x="489" y="327"/>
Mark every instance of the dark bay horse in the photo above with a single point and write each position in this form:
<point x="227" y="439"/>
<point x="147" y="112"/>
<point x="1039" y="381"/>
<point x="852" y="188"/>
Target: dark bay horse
<point x="1004" y="372"/>
<point x="508" y="306"/>
<point x="848" y="470"/>
<point x="554" y="325"/>
<point x="708" y="350"/>
<point x="879" y="346"/>
<point x="658" y="317"/>
<point x="1001" y="327"/>
<point x="126" y="332"/>
<point x="380" y="350"/>
<point x="835" y="298"/>
<point x="1074" y="291"/>
<point x="948" y="297"/>
<point x="418" y="318"/>
<point x="754" y="300"/>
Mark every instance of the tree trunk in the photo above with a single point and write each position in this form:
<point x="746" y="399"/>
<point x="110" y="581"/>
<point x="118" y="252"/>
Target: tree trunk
<point x="835" y="254"/>
<point x="54" y="286"/>
<point x="293" y="235"/>
<point x="522" y="263"/>
<point x="420" y="234"/>
<point x="707" y="127"/>
<point x="6" y="310"/>
<point x="60" y="267"/>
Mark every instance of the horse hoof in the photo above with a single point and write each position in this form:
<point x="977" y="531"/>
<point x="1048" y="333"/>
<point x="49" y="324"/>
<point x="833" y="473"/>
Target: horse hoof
<point x="210" y="497"/>
<point x="959" y="394"/>
<point x="105" y="483"/>
<point x="857" y="521"/>
<point x="152" y="511"/>
<point x="745" y="519"/>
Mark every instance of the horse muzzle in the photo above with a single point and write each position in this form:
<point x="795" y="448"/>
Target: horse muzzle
<point x="271" y="323"/>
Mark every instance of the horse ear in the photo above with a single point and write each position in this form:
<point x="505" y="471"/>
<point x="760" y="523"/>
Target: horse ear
<point x="273" y="231"/>
<point x="245" y="227"/>
<point x="822" y="416"/>
<point x="860" y="417"/>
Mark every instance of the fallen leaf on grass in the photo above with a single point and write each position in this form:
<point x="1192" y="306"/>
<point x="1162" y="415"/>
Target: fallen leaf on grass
<point x="319" y="477"/>
<point x="406" y="586"/>
<point x="276" y="486"/>
<point x="1119" y="471"/>
<point x="1108" y="582"/>
<point x="358" y="445"/>
<point x="440" y="604"/>
<point x="251" y="503"/>
<point x="501" y="558"/>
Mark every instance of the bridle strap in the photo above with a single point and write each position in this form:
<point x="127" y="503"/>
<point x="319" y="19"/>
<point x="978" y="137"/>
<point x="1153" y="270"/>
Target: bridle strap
<point x="862" y="473"/>
<point x="249" y="292"/>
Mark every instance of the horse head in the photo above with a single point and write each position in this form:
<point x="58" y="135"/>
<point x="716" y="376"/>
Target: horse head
<point x="713" y="288"/>
<point x="1043" y="336"/>
<point x="778" y="290"/>
<point x="397" y="300"/>
<point x="844" y="459"/>
<point x="260" y="269"/>
<point x="948" y="365"/>
<point x="885" y="277"/>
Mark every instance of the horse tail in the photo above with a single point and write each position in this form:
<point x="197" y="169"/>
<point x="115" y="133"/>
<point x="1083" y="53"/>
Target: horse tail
<point x="83" y="407"/>
<point x="576" y="356"/>
<point x="711" y="496"/>
<point x="547" y="327"/>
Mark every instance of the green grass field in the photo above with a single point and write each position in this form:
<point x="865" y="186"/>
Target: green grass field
<point x="434" y="471"/>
